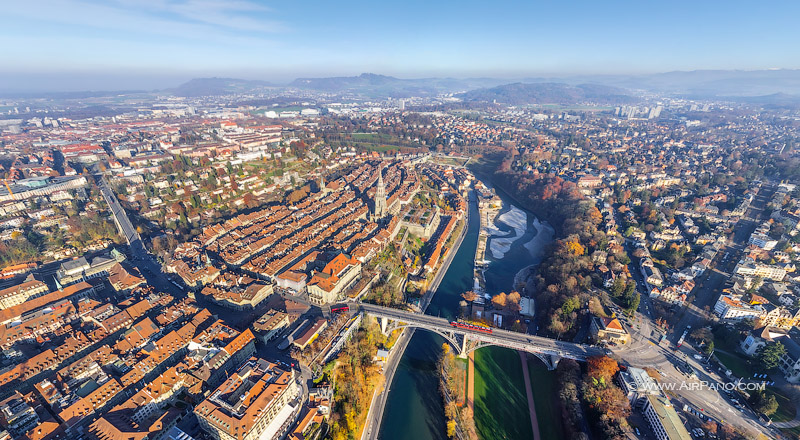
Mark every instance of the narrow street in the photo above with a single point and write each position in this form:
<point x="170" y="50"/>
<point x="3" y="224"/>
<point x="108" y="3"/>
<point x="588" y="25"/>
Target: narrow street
<point x="147" y="264"/>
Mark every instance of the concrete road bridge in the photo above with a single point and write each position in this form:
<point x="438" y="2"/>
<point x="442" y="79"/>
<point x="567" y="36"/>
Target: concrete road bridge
<point x="465" y="341"/>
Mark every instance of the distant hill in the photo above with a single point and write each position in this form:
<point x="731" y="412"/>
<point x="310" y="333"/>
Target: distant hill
<point x="548" y="93"/>
<point x="723" y="82"/>
<point x="218" y="86"/>
<point x="381" y="86"/>
<point x="774" y="101"/>
<point x="761" y="85"/>
<point x="695" y="83"/>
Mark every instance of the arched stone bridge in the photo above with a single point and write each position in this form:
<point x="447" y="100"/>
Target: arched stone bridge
<point x="465" y="341"/>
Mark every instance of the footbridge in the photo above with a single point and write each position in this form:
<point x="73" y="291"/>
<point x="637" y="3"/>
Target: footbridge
<point x="465" y="341"/>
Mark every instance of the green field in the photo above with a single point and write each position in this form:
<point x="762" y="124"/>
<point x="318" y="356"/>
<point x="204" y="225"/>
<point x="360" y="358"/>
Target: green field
<point x="501" y="406"/>
<point x="545" y="397"/>
<point x="793" y="433"/>
<point x="738" y="366"/>
<point x="786" y="409"/>
<point x="741" y="368"/>
<point x="379" y="142"/>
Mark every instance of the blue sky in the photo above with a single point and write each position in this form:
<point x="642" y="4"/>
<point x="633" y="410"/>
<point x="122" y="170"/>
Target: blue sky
<point x="179" y="39"/>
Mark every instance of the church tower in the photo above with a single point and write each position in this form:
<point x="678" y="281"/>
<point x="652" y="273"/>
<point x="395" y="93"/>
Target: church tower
<point x="380" y="210"/>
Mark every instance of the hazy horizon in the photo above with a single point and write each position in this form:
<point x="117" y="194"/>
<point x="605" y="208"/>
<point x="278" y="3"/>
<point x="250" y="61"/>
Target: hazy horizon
<point x="54" y="82"/>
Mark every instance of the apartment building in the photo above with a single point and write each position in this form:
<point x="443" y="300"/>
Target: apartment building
<point x="255" y="402"/>
<point x="731" y="307"/>
<point x="765" y="271"/>
<point x="762" y="241"/>
<point x="663" y="420"/>
<point x="17" y="415"/>
<point x="271" y="324"/>
<point x="16" y="295"/>
<point x="337" y="276"/>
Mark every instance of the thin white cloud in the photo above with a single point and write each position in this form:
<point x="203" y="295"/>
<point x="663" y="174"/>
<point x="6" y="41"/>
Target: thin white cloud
<point x="235" y="15"/>
<point x="201" y="20"/>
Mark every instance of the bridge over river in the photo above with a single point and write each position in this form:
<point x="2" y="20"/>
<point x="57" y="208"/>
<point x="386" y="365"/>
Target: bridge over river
<point x="465" y="341"/>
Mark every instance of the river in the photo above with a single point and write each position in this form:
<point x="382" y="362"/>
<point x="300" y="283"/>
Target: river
<point x="414" y="409"/>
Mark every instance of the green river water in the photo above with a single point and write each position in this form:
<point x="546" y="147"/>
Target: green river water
<point x="414" y="409"/>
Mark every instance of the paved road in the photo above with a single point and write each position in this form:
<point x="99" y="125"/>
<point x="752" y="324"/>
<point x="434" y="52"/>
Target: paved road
<point x="644" y="350"/>
<point x="710" y="285"/>
<point x="376" y="407"/>
<point x="147" y="264"/>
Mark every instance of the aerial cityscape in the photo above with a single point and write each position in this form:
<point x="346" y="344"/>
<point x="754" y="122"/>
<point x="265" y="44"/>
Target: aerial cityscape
<point x="353" y="221"/>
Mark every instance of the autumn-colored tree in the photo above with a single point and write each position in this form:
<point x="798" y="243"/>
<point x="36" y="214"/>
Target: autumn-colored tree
<point x="469" y="296"/>
<point x="512" y="301"/>
<point x="574" y="247"/>
<point x="710" y="427"/>
<point x="652" y="372"/>
<point x="468" y="423"/>
<point x="451" y="429"/>
<point x="500" y="300"/>
<point x="602" y="367"/>
<point x="726" y="432"/>
<point x="556" y="326"/>
<point x="296" y="195"/>
<point x="594" y="215"/>
<point x="248" y="199"/>
<point x="596" y="308"/>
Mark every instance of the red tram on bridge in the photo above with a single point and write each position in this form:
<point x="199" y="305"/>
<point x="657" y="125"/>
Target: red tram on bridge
<point x="471" y="326"/>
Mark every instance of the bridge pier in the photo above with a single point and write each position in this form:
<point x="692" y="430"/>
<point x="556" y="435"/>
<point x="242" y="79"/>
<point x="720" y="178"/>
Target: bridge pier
<point x="549" y="360"/>
<point x="462" y="353"/>
<point x="553" y="362"/>
<point x="384" y="322"/>
<point x="464" y="341"/>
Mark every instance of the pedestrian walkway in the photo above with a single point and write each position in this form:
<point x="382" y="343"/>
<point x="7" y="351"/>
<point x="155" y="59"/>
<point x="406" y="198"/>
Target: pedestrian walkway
<point x="471" y="382"/>
<point x="523" y="357"/>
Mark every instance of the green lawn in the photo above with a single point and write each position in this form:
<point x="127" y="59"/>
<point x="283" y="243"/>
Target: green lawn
<point x="545" y="397"/>
<point x="786" y="409"/>
<point x="501" y="406"/>
<point x="736" y="363"/>
<point x="741" y="368"/>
